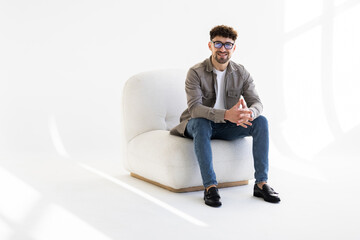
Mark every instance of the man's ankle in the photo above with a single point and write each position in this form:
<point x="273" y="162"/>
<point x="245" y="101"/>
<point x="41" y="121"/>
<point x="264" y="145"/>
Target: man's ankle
<point x="210" y="187"/>
<point x="261" y="184"/>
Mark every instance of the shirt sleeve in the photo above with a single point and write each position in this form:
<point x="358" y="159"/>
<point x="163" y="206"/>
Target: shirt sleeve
<point x="194" y="100"/>
<point x="251" y="96"/>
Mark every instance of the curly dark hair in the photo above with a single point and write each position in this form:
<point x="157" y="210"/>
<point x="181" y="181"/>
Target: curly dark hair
<point x="223" y="31"/>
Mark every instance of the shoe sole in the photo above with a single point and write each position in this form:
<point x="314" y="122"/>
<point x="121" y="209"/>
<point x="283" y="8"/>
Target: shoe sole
<point x="215" y="205"/>
<point x="265" y="199"/>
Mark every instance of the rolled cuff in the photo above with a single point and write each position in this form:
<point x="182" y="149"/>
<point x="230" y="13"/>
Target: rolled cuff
<point x="218" y="115"/>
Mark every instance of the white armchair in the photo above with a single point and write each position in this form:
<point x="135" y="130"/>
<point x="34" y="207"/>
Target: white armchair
<point x="152" y="105"/>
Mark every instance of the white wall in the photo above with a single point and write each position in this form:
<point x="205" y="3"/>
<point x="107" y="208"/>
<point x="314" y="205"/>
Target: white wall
<point x="63" y="64"/>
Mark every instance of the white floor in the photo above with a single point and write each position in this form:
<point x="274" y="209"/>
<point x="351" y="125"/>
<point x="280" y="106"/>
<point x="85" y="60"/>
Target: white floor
<point x="49" y="198"/>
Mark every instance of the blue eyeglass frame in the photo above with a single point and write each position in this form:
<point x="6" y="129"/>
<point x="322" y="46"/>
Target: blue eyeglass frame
<point x="227" y="45"/>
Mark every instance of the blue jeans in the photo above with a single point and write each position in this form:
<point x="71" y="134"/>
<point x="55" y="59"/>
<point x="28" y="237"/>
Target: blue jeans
<point x="202" y="130"/>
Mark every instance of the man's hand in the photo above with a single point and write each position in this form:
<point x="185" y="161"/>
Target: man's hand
<point x="239" y="114"/>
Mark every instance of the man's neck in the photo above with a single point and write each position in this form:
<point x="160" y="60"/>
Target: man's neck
<point x="218" y="66"/>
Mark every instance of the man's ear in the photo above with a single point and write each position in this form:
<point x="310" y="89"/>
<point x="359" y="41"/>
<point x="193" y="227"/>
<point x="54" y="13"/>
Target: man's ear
<point x="234" y="47"/>
<point x="209" y="44"/>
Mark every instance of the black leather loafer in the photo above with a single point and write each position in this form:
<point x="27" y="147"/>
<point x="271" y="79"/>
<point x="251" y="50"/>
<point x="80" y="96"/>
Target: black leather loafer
<point x="267" y="193"/>
<point x="212" y="197"/>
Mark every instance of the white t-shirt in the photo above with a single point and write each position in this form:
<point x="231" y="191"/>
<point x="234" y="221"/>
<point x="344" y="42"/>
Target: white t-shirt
<point x="220" y="100"/>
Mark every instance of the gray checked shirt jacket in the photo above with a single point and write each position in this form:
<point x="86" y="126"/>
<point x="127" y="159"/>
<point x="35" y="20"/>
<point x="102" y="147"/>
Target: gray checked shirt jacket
<point x="201" y="89"/>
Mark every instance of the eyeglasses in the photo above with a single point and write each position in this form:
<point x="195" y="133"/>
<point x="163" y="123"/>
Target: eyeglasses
<point x="227" y="45"/>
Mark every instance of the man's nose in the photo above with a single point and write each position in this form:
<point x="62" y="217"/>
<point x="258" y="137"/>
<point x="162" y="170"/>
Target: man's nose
<point x="223" y="48"/>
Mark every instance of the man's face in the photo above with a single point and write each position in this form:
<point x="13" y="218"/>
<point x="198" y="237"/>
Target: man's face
<point x="221" y="55"/>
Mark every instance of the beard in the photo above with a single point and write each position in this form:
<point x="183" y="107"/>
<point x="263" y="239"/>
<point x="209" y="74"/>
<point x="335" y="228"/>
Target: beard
<point x="220" y="59"/>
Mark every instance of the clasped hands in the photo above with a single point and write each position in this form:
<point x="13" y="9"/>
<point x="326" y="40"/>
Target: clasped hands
<point x="239" y="114"/>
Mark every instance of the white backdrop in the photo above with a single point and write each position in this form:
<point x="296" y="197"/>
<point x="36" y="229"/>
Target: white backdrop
<point x="63" y="65"/>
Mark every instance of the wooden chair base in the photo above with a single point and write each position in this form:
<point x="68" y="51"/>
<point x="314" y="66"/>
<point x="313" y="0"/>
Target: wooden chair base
<point x="190" y="189"/>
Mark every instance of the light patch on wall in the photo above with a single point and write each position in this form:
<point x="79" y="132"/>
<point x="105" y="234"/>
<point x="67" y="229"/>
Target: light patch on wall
<point x="299" y="12"/>
<point x="340" y="2"/>
<point x="305" y="126"/>
<point x="346" y="64"/>
<point x="56" y="138"/>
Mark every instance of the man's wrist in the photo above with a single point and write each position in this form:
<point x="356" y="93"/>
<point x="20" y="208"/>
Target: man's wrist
<point x="252" y="113"/>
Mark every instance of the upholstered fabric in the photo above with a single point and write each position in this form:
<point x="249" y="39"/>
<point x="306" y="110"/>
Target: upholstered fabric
<point x="152" y="104"/>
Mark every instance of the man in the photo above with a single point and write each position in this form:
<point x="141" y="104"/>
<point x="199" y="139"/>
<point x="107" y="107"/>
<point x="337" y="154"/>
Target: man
<point x="217" y="111"/>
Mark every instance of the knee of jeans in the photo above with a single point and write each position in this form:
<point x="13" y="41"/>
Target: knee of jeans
<point x="201" y="126"/>
<point x="261" y="121"/>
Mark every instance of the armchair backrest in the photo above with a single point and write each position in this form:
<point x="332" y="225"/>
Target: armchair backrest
<point x="153" y="101"/>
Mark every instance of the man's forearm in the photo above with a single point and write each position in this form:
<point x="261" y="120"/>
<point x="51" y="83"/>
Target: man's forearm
<point x="212" y="114"/>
